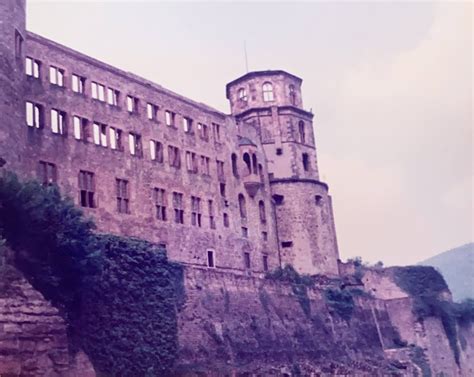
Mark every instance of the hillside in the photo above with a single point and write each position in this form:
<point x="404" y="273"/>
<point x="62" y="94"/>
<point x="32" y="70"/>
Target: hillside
<point x="457" y="267"/>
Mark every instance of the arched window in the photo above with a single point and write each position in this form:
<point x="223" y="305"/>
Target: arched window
<point x="261" y="211"/>
<point x="242" y="206"/>
<point x="254" y="163"/>
<point x="292" y="95"/>
<point x="301" y="130"/>
<point x="247" y="163"/>
<point x="268" y="92"/>
<point x="243" y="94"/>
<point x="305" y="158"/>
<point x="235" y="170"/>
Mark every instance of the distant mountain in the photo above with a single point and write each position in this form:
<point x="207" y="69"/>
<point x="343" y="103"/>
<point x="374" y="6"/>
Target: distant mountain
<point x="457" y="267"/>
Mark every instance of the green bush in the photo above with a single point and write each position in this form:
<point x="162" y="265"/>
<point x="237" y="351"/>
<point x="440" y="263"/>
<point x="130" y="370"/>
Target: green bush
<point x="341" y="301"/>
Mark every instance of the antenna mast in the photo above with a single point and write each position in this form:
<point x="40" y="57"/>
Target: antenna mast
<point x="246" y="59"/>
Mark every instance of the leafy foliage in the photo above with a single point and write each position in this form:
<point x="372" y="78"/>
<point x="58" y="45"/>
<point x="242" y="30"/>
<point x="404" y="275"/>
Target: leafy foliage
<point x="464" y="311"/>
<point x="341" y="301"/>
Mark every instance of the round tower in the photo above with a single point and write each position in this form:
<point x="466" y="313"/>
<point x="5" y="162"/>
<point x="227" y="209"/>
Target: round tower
<point x="271" y="101"/>
<point x="12" y="107"/>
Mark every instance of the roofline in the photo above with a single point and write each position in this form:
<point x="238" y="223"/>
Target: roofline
<point x="259" y="73"/>
<point x="299" y="180"/>
<point x="245" y="113"/>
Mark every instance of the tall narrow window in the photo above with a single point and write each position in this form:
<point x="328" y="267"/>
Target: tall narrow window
<point x="247" y="260"/>
<point x="243" y="94"/>
<point x="261" y="211"/>
<point x="235" y="170"/>
<point x="56" y="76"/>
<point x="156" y="151"/>
<point x="216" y="130"/>
<point x="242" y="207"/>
<point x="301" y="130"/>
<point x="254" y="164"/>
<point x="159" y="197"/>
<point x="18" y="44"/>
<point x="132" y="104"/>
<point x="212" y="219"/>
<point x="226" y="220"/>
<point x="99" y="134"/>
<point x="210" y="259"/>
<point x="151" y="111"/>
<point x="261" y="174"/>
<point x="191" y="162"/>
<point x="268" y="92"/>
<point x="195" y="211"/>
<point x="265" y="262"/>
<point x="305" y="158"/>
<point x="248" y="164"/>
<point x="292" y="95"/>
<point x="115" y="138"/>
<point x="178" y="208"/>
<point x="112" y="97"/>
<point x="47" y="173"/>
<point x="80" y="128"/>
<point x="58" y="121"/>
<point x="220" y="170"/>
<point x="205" y="165"/>
<point x="222" y="189"/>
<point x="169" y="118"/>
<point x="98" y="91"/>
<point x="135" y="144"/>
<point x="121" y="187"/>
<point x="32" y="67"/>
<point x="187" y="125"/>
<point x="78" y="83"/>
<point x="203" y="131"/>
<point x="86" y="189"/>
<point x="174" y="156"/>
<point x="34" y="115"/>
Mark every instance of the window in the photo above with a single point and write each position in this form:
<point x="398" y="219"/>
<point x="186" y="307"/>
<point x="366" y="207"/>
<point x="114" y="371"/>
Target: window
<point x="216" y="130"/>
<point x="121" y="186"/>
<point x="135" y="144"/>
<point x="268" y="92"/>
<point x="246" y="158"/>
<point x="242" y="207"/>
<point x="78" y="84"/>
<point x="100" y="134"/>
<point x="115" y="136"/>
<point x="264" y="236"/>
<point x="195" y="211"/>
<point x="191" y="162"/>
<point x="265" y="262"/>
<point x="278" y="199"/>
<point x="260" y="173"/>
<point x="32" y="67"/>
<point x="210" y="259"/>
<point x="245" y="232"/>
<point x="279" y="151"/>
<point x="79" y="128"/>
<point x="18" y="44"/>
<point x="222" y="189"/>
<point x="235" y="169"/>
<point x="47" y="173"/>
<point x="243" y="94"/>
<point x="301" y="130"/>
<point x="292" y="95"/>
<point x="86" y="189"/>
<point x="58" y="122"/>
<point x="226" y="220"/>
<point x="203" y="131"/>
<point x="287" y="244"/>
<point x="151" y="111"/>
<point x="174" y="156"/>
<point x="188" y="125"/>
<point x="156" y="151"/>
<point x="220" y="170"/>
<point x="254" y="163"/>
<point x="205" y="165"/>
<point x="261" y="211"/>
<point x="247" y="260"/>
<point x="159" y="197"/>
<point x="169" y="118"/>
<point x="178" y="208"/>
<point x="305" y="158"/>
<point x="56" y="76"/>
<point x="112" y="97"/>
<point x="318" y="200"/>
<point x="212" y="219"/>
<point x="132" y="104"/>
<point x="98" y="91"/>
<point x="34" y="115"/>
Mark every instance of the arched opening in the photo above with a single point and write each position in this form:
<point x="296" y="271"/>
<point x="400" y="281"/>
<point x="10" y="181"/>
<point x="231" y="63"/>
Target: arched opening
<point x="261" y="211"/>
<point x="267" y="92"/>
<point x="242" y="207"/>
<point x="235" y="169"/>
<point x="301" y="130"/>
<point x="254" y="163"/>
<point x="246" y="158"/>
<point x="243" y="94"/>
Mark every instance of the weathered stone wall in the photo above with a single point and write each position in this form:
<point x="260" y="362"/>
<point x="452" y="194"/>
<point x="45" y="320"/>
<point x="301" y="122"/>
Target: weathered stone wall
<point x="33" y="336"/>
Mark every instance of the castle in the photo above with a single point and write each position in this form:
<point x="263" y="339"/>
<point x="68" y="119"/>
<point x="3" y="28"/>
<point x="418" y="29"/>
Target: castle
<point x="238" y="192"/>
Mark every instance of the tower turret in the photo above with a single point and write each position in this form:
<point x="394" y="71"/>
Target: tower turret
<point x="271" y="101"/>
<point x="12" y="37"/>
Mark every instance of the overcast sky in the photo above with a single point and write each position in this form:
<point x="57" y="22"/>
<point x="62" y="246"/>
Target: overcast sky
<point x="390" y="85"/>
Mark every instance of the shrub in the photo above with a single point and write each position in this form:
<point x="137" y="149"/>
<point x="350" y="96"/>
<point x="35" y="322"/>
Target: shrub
<point x="341" y="301"/>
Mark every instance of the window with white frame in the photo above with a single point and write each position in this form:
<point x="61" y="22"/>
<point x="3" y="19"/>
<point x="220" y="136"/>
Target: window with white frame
<point x="58" y="122"/>
<point x="78" y="83"/>
<point x="34" y="115"/>
<point x="99" y="134"/>
<point x="151" y="111"/>
<point x="135" y="144"/>
<point x="268" y="92"/>
<point x="32" y="67"/>
<point x="98" y="91"/>
<point x="79" y="128"/>
<point x="115" y="136"/>
<point x="156" y="151"/>
<point x="56" y="76"/>
<point x="112" y="96"/>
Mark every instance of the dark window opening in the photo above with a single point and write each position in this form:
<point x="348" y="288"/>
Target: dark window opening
<point x="226" y="220"/>
<point x="210" y="259"/>
<point x="122" y="196"/>
<point x="278" y="199"/>
<point x="254" y="164"/>
<point x="47" y="173"/>
<point x="235" y="169"/>
<point x="318" y="199"/>
<point x="301" y="130"/>
<point x="247" y="260"/>
<point x="279" y="151"/>
<point x="222" y="189"/>
<point x="287" y="244"/>
<point x="86" y="189"/>
<point x="246" y="159"/>
<point x="265" y="262"/>
<point x="305" y="161"/>
<point x="242" y="207"/>
<point x="261" y="210"/>
<point x="245" y="232"/>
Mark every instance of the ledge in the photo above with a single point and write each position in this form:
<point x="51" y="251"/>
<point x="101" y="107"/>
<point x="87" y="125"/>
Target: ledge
<point x="299" y="180"/>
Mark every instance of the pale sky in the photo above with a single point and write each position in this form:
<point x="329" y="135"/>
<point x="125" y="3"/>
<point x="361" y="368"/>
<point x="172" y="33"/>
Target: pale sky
<point x="390" y="85"/>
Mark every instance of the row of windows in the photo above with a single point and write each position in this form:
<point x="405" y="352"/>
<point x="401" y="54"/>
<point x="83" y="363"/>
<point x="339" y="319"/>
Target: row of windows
<point x="111" y="96"/>
<point x="47" y="174"/>
<point x="211" y="260"/>
<point x="267" y="93"/>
